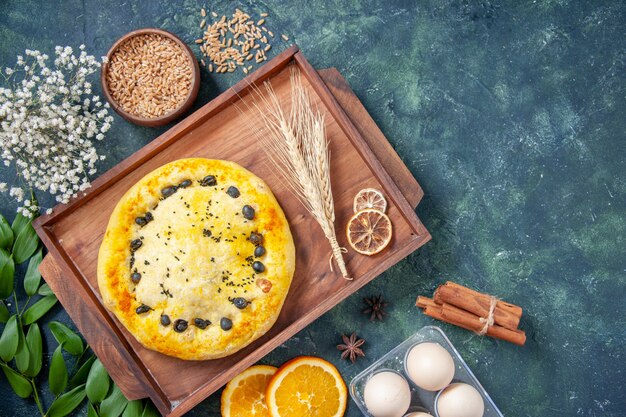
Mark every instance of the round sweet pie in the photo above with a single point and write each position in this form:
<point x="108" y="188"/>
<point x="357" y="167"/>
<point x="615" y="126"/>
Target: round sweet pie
<point x="197" y="259"/>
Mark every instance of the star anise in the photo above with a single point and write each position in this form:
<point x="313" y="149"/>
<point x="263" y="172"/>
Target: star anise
<point x="351" y="347"/>
<point x="375" y="307"/>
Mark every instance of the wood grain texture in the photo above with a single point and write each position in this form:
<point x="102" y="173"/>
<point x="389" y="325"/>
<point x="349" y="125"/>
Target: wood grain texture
<point x="219" y="130"/>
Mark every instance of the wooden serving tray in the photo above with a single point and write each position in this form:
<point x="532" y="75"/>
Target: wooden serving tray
<point x="73" y="232"/>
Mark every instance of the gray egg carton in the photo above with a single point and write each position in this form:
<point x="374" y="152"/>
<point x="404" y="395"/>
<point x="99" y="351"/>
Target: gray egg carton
<point x="421" y="400"/>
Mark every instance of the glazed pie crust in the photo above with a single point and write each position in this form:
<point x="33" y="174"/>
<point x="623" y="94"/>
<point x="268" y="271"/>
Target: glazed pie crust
<point x="195" y="258"/>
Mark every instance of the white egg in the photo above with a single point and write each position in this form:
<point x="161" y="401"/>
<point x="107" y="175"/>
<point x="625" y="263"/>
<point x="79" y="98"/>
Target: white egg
<point x="418" y="414"/>
<point x="430" y="366"/>
<point x="460" y="400"/>
<point x="387" y="394"/>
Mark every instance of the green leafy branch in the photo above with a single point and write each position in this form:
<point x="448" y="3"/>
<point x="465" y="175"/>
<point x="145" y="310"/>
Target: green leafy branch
<point x="21" y="347"/>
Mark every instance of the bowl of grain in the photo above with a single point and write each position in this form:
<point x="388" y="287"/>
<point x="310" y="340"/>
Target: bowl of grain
<point x="150" y="77"/>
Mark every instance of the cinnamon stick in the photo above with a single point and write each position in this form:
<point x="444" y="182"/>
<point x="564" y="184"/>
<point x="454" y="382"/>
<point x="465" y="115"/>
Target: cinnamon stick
<point x="505" y="314"/>
<point x="423" y="302"/>
<point x="453" y="315"/>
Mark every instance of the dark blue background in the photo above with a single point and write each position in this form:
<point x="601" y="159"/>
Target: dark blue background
<point x="511" y="114"/>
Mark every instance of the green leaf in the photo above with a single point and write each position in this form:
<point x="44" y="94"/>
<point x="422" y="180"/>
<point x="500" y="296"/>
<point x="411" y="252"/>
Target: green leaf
<point x="45" y="290"/>
<point x="97" y="382"/>
<point x="67" y="402"/>
<point x="33" y="277"/>
<point x="7" y="274"/>
<point x="20" y="385"/>
<point x="41" y="307"/>
<point x="64" y="335"/>
<point x="150" y="411"/>
<point x="22" y="356"/>
<point x="133" y="409"/>
<point x="57" y="379"/>
<point x="80" y="377"/>
<point x="25" y="244"/>
<point x="4" y="312"/>
<point x="9" y="340"/>
<point x="6" y="233"/>
<point x="114" y="404"/>
<point x="33" y="340"/>
<point x="19" y="223"/>
<point x="91" y="411"/>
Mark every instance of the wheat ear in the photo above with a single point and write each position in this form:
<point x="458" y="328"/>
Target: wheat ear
<point x="296" y="143"/>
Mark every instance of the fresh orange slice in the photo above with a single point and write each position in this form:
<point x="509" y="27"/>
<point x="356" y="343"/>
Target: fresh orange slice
<point x="369" y="231"/>
<point x="244" y="395"/>
<point x="369" y="198"/>
<point x="305" y="387"/>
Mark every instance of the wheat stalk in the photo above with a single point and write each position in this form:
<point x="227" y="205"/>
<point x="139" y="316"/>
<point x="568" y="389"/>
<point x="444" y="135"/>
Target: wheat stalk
<point x="296" y="143"/>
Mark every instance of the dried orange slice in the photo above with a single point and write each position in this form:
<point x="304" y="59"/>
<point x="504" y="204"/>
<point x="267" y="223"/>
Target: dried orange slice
<point x="369" y="231"/>
<point x="244" y="395"/>
<point x="369" y="198"/>
<point x="305" y="387"/>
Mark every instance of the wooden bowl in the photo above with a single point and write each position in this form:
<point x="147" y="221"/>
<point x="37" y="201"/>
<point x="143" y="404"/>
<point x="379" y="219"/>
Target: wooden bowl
<point x="168" y="117"/>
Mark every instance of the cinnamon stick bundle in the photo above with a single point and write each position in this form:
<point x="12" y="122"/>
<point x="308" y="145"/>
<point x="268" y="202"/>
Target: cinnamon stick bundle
<point x="469" y="309"/>
<point x="505" y="314"/>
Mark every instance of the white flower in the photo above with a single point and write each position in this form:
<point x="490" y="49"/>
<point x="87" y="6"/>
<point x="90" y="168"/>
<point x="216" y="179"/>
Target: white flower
<point x="47" y="118"/>
<point x="17" y="193"/>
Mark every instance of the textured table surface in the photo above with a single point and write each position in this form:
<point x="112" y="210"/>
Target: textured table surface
<point x="512" y="115"/>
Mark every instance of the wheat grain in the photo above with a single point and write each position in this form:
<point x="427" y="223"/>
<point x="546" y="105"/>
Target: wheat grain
<point x="231" y="40"/>
<point x="296" y="143"/>
<point x="149" y="75"/>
